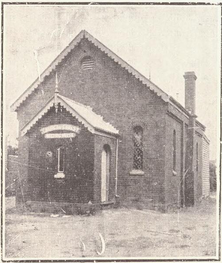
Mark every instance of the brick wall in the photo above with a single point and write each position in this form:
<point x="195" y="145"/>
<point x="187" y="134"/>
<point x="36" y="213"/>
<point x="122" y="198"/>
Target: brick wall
<point x="124" y="102"/>
<point x="77" y="186"/>
<point x="173" y="176"/>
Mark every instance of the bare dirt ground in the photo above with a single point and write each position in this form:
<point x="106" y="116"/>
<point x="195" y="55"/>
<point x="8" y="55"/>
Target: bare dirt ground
<point x="127" y="233"/>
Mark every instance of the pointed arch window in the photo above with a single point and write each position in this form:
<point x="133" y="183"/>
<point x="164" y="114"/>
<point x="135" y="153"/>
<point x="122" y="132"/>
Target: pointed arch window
<point x="138" y="148"/>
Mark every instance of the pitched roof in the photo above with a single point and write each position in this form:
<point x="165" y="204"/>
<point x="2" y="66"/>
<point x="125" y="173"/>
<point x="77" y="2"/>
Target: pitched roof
<point x="84" y="114"/>
<point x="108" y="52"/>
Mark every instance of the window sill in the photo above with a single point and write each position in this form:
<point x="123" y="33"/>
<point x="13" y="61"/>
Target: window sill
<point x="59" y="175"/>
<point x="136" y="172"/>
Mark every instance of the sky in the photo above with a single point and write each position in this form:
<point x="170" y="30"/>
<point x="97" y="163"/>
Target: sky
<point x="160" y="41"/>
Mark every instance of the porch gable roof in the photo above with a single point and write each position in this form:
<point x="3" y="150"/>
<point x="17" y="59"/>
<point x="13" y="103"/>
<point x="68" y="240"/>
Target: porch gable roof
<point x="84" y="114"/>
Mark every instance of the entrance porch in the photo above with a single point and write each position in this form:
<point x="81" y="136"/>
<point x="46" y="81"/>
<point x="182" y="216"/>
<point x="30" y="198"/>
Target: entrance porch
<point x="72" y="158"/>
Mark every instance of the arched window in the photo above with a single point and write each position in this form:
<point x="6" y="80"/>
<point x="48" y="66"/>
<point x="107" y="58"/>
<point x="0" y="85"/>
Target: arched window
<point x="174" y="150"/>
<point x="60" y="163"/>
<point x="197" y="157"/>
<point x="138" y="148"/>
<point x="61" y="158"/>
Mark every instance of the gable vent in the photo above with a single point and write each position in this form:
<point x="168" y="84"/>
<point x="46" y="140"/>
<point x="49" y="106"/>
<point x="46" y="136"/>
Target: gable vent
<point x="87" y="63"/>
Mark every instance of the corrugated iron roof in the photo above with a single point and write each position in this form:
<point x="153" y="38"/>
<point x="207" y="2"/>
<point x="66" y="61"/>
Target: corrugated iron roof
<point x="91" y="117"/>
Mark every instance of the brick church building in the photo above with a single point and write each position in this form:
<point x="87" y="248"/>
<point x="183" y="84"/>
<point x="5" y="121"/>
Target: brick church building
<point x="93" y="128"/>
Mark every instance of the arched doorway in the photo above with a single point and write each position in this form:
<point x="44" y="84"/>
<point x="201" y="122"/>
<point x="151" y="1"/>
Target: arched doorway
<point x="105" y="173"/>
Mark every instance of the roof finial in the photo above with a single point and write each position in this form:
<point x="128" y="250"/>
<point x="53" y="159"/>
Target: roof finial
<point x="56" y="93"/>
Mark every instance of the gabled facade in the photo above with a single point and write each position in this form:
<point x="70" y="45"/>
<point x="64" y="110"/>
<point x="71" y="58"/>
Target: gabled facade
<point x="135" y="140"/>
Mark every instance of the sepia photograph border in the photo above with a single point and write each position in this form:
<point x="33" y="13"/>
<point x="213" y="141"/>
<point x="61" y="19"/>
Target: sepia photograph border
<point x="3" y="146"/>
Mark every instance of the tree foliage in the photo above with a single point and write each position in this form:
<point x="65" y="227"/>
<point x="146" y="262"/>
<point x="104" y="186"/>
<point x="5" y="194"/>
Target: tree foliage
<point x="213" y="176"/>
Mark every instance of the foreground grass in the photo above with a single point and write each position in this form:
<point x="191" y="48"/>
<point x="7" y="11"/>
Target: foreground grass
<point x="127" y="233"/>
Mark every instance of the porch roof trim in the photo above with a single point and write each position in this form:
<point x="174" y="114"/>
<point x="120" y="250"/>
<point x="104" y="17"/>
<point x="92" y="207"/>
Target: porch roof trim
<point x="84" y="114"/>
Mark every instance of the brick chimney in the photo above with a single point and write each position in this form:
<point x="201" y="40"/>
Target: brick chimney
<point x="190" y="91"/>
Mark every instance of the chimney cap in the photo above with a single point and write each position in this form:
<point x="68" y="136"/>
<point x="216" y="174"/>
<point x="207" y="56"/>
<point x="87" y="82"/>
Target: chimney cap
<point x="190" y="74"/>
